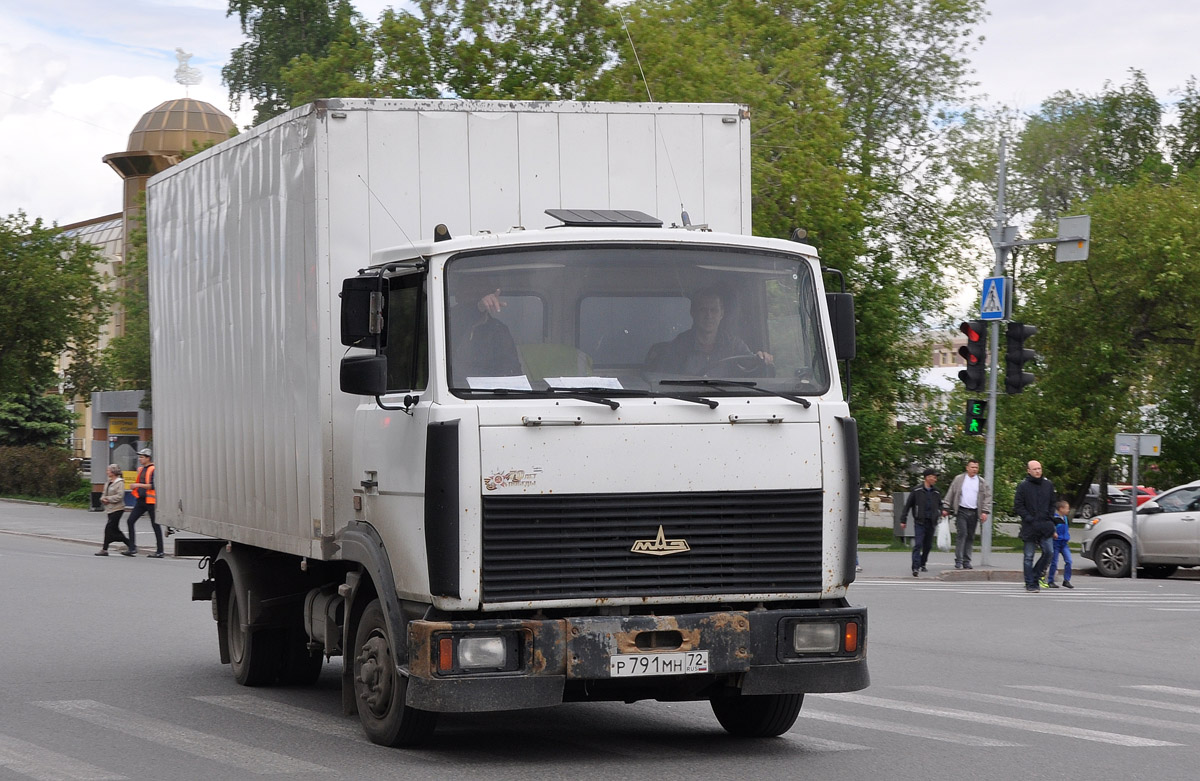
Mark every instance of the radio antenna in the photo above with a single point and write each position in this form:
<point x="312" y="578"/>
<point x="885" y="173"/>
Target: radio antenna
<point x="666" y="148"/>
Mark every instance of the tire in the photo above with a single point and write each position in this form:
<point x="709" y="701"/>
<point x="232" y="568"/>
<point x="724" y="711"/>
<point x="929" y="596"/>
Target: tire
<point x="379" y="688"/>
<point x="759" y="715"/>
<point x="1112" y="558"/>
<point x="1157" y="571"/>
<point x="1087" y="510"/>
<point x="254" y="654"/>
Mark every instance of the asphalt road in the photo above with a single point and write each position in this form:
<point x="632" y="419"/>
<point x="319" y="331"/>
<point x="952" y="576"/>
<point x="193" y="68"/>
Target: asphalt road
<point x="108" y="671"/>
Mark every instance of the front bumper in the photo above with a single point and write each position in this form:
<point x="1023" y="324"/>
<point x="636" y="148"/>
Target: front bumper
<point x="569" y="658"/>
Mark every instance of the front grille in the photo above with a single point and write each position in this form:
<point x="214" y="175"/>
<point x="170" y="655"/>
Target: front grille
<point x="555" y="546"/>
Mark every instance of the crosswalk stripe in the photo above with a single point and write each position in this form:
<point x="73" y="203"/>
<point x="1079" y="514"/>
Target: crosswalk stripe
<point x="229" y="752"/>
<point x="1168" y="690"/>
<point x="810" y="743"/>
<point x="1003" y="721"/>
<point x="1172" y="706"/>
<point x="288" y="714"/>
<point x="1052" y="707"/>
<point x="904" y="729"/>
<point x="41" y="764"/>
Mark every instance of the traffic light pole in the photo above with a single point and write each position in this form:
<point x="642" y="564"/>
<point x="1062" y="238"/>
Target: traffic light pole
<point x="999" y="241"/>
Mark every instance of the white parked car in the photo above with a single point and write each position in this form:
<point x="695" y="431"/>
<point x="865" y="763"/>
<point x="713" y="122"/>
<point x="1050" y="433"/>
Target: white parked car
<point x="1168" y="527"/>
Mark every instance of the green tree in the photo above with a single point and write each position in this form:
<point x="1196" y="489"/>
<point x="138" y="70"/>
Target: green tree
<point x="126" y="359"/>
<point x="51" y="303"/>
<point x="1077" y="144"/>
<point x="278" y="31"/>
<point x="1183" y="138"/>
<point x="1118" y="335"/>
<point x="35" y="419"/>
<point x="471" y="49"/>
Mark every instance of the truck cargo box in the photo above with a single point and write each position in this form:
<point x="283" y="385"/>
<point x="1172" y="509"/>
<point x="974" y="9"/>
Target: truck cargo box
<point x="250" y="240"/>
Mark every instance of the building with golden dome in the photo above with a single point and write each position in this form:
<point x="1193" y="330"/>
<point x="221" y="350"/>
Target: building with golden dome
<point x="112" y="425"/>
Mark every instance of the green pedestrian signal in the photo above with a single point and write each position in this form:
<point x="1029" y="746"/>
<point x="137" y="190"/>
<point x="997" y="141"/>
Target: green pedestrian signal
<point x="976" y="417"/>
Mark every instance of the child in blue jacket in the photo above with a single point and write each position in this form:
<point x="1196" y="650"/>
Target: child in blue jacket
<point x="1062" y="546"/>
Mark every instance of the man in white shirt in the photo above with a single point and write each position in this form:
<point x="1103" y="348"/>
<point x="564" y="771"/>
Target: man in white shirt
<point x="970" y="499"/>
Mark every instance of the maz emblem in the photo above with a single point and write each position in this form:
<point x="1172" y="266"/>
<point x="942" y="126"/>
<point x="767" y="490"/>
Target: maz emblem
<point x="659" y="546"/>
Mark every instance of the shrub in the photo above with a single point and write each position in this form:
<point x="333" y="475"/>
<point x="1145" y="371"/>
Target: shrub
<point x="37" y="471"/>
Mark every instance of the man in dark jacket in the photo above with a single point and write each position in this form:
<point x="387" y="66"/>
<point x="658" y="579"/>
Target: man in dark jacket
<point x="1034" y="503"/>
<point x="925" y="504"/>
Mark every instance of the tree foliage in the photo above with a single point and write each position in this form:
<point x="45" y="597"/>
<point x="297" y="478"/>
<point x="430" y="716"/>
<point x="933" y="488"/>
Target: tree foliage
<point x="126" y="359"/>
<point x="278" y="31"/>
<point x="1118" y="335"/>
<point x="471" y="49"/>
<point x="848" y="131"/>
<point x="35" y="419"/>
<point x="51" y="303"/>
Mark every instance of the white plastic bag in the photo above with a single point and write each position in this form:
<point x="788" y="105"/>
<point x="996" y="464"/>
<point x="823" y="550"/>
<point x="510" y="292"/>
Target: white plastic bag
<point x="943" y="535"/>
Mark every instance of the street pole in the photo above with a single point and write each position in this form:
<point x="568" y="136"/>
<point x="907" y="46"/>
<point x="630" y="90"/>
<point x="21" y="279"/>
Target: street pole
<point x="999" y="241"/>
<point x="1133" y="497"/>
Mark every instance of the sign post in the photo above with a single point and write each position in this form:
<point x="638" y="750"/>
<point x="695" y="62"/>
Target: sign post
<point x="1136" y="445"/>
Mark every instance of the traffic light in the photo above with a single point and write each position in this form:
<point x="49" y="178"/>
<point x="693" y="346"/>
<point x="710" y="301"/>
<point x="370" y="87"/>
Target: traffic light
<point x="976" y="417"/>
<point x="1016" y="356"/>
<point x="975" y="354"/>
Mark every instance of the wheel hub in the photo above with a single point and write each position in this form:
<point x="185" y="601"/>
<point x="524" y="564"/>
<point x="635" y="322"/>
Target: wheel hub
<point x="375" y="675"/>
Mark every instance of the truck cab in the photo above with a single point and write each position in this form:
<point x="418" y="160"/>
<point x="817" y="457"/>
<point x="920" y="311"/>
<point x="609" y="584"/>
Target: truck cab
<point x="608" y="460"/>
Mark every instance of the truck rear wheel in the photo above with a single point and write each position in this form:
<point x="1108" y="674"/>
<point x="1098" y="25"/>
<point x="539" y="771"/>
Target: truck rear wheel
<point x="757" y="715"/>
<point x="253" y="653"/>
<point x="379" y="689"/>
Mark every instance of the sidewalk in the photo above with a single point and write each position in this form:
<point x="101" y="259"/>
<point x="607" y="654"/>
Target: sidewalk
<point x="32" y="519"/>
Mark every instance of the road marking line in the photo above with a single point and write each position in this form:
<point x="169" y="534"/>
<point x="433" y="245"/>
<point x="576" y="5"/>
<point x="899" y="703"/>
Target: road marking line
<point x="1003" y="721"/>
<point x="810" y="743"/>
<point x="904" y="729"/>
<point x="218" y="749"/>
<point x="41" y="764"/>
<point x="1168" y="690"/>
<point x="288" y="714"/>
<point x="1051" y="707"/>
<point x="1172" y="706"/>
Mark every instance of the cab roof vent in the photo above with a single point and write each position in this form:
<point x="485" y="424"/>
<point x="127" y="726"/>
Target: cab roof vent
<point x="604" y="218"/>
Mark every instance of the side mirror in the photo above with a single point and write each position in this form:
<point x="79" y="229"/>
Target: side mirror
<point x="841" y="317"/>
<point x="364" y="375"/>
<point x="1149" y="508"/>
<point x="364" y="312"/>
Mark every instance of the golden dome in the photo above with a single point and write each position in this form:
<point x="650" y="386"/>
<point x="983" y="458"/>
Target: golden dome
<point x="173" y="126"/>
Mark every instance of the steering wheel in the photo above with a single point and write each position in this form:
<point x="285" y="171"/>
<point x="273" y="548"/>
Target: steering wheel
<point x="746" y="364"/>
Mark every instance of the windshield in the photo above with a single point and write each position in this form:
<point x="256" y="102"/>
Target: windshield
<point x="630" y="318"/>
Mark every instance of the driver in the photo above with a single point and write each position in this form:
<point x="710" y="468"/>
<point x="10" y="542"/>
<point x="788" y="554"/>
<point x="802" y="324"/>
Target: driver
<point x="704" y="348"/>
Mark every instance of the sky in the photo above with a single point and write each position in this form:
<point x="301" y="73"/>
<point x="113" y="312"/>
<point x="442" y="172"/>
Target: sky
<point x="76" y="75"/>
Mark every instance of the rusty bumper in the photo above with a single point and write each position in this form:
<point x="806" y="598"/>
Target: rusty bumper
<point x="747" y="650"/>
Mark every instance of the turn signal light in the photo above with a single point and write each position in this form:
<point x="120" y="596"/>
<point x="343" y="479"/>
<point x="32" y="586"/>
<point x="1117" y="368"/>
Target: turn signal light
<point x="850" y="638"/>
<point x="446" y="655"/>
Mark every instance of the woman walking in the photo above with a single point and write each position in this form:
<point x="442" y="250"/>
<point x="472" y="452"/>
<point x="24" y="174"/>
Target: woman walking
<point x="113" y="501"/>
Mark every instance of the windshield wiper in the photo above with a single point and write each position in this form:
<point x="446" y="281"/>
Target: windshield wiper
<point x="642" y="394"/>
<point x="594" y="395"/>
<point x="739" y="384"/>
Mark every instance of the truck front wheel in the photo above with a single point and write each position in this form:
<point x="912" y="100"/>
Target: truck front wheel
<point x="758" y="715"/>
<point x="379" y="688"/>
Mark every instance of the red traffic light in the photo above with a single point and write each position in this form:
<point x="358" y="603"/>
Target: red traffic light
<point x="974" y="352"/>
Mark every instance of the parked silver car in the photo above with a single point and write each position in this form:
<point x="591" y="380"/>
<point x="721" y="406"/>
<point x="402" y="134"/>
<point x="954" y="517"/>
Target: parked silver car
<point x="1168" y="528"/>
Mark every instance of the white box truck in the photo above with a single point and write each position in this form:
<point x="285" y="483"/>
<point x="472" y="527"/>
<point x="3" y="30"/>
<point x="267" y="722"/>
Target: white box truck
<point x="492" y="464"/>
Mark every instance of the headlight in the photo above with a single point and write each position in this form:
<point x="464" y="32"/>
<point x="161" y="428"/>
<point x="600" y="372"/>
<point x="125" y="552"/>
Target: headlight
<point x="478" y="652"/>
<point x="808" y="638"/>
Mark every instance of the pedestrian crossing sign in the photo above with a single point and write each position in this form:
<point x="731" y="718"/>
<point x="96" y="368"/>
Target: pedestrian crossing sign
<point x="994" y="302"/>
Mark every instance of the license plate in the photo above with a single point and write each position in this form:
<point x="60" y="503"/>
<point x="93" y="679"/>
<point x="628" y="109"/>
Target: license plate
<point x="682" y="663"/>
